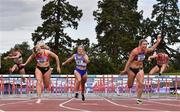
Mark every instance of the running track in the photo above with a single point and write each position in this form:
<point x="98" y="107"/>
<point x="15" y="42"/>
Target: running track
<point x="91" y="104"/>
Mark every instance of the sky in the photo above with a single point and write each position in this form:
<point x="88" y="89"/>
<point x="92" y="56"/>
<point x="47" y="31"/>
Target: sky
<point x="19" y="18"/>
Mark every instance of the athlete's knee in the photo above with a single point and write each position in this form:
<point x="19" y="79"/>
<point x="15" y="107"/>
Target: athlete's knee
<point x="78" y="80"/>
<point x="39" y="81"/>
<point x="150" y="73"/>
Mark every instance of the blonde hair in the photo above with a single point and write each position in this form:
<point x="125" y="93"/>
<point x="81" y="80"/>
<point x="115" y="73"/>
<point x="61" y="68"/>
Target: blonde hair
<point x="42" y="46"/>
<point x="81" y="46"/>
<point x="141" y="41"/>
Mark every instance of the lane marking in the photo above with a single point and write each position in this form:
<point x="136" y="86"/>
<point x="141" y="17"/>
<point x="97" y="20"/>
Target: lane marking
<point x="144" y="109"/>
<point x="15" y="102"/>
<point x="89" y="104"/>
<point x="167" y="104"/>
<point x="90" y="99"/>
<point x="70" y="108"/>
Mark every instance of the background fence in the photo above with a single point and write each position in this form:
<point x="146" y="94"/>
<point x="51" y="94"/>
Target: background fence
<point x="104" y="85"/>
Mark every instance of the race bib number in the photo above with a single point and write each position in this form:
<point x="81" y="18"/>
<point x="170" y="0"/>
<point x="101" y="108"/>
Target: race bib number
<point x="79" y="62"/>
<point x="141" y="57"/>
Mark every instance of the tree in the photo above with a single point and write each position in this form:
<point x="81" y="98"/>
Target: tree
<point x="118" y="23"/>
<point x="167" y="22"/>
<point x="57" y="15"/>
<point x="100" y="62"/>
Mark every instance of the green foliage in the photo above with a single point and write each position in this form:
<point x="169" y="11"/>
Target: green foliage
<point x="166" y="20"/>
<point x="117" y="29"/>
<point x="57" y="15"/>
<point x="26" y="52"/>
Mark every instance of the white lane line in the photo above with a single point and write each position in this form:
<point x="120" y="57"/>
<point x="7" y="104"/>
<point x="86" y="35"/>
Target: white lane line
<point x="2" y="111"/>
<point x="144" y="109"/>
<point x="70" y="108"/>
<point x="90" y="99"/>
<point x="15" y="102"/>
<point x="62" y="105"/>
<point x="53" y="99"/>
<point x="167" y="104"/>
<point x="29" y="99"/>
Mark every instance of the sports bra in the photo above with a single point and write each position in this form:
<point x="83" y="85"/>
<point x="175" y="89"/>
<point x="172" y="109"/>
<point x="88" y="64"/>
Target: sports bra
<point x="161" y="59"/>
<point x="41" y="59"/>
<point x="140" y="56"/>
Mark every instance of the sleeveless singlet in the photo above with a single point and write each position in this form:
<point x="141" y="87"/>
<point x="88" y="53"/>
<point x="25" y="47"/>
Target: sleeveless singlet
<point x="140" y="56"/>
<point x="41" y="59"/>
<point x="161" y="59"/>
<point x="80" y="61"/>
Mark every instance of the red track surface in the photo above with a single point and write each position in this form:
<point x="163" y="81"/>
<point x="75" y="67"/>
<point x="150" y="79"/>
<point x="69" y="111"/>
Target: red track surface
<point x="89" y="105"/>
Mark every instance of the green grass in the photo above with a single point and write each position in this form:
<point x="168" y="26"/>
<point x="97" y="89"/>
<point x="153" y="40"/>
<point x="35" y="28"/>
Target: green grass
<point x="178" y="73"/>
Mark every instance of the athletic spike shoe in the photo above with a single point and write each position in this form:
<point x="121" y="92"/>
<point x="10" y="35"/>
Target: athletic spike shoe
<point x="139" y="101"/>
<point x="76" y="95"/>
<point x="83" y="97"/>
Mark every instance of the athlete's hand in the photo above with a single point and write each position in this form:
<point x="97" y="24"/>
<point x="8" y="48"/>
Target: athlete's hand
<point x="123" y="72"/>
<point x="22" y="65"/>
<point x="149" y="59"/>
<point x="58" y="69"/>
<point x="159" y="38"/>
<point x="84" y="52"/>
<point x="63" y="63"/>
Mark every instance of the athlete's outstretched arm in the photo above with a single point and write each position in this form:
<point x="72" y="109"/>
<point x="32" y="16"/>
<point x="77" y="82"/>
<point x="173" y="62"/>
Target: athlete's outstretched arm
<point x="56" y="58"/>
<point x="151" y="57"/>
<point x="13" y="57"/>
<point x="28" y="60"/>
<point x="68" y="60"/>
<point x="131" y="57"/>
<point x="155" y="45"/>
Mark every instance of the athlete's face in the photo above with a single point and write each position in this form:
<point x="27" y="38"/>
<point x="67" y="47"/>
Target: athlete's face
<point x="161" y="53"/>
<point x="144" y="45"/>
<point x="38" y="50"/>
<point x="80" y="51"/>
<point x="13" y="53"/>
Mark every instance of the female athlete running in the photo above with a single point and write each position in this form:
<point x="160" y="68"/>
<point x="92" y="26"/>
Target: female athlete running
<point x="42" y="71"/>
<point x="162" y="60"/>
<point x="81" y="59"/>
<point x="16" y="56"/>
<point x="134" y="66"/>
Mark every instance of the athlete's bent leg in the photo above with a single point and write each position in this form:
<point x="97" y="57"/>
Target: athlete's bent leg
<point x="83" y="81"/>
<point x="39" y="79"/>
<point x="131" y="77"/>
<point x="163" y="68"/>
<point x="140" y="85"/>
<point x="77" y="83"/>
<point x="47" y="80"/>
<point x="154" y="70"/>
